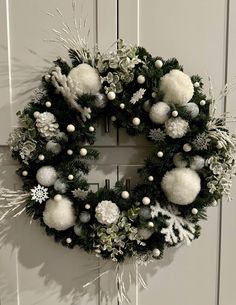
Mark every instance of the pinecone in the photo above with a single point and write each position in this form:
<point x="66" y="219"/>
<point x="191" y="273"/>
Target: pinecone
<point x="47" y="125"/>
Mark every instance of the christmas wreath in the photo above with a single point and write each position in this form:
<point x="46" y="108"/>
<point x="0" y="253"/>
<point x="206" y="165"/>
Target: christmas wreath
<point x="190" y="166"/>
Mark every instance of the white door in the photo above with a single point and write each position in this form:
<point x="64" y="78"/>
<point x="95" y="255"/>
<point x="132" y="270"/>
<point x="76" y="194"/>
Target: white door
<point x="35" y="270"/>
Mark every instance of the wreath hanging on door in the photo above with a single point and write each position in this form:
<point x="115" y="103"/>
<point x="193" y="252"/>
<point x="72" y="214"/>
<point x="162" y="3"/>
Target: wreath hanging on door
<point x="190" y="166"/>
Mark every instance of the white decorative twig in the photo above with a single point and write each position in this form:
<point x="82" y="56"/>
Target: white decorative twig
<point x="67" y="87"/>
<point x="178" y="228"/>
<point x="13" y="202"/>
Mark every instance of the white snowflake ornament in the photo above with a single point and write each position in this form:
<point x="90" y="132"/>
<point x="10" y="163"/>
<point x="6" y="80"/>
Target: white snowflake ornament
<point x="39" y="193"/>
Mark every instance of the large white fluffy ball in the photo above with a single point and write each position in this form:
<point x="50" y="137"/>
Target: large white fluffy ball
<point x="177" y="87"/>
<point x="60" y="214"/>
<point x="176" y="127"/>
<point x="46" y="175"/>
<point x="159" y="113"/>
<point x="181" y="185"/>
<point x="86" y="79"/>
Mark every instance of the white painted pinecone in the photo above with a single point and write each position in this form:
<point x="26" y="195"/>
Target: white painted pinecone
<point x="47" y="125"/>
<point x="107" y="212"/>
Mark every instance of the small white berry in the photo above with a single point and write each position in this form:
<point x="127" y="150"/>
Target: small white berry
<point x="83" y="152"/>
<point x="175" y="113"/>
<point x="57" y="197"/>
<point x="214" y="203"/>
<point x="87" y="206"/>
<point x="36" y="114"/>
<point x="136" y="121"/>
<point x="150" y="178"/>
<point x="70" y="177"/>
<point x="113" y="118"/>
<point x="194" y="211"/>
<point x="122" y="106"/>
<point x="24" y="173"/>
<point x="160" y="154"/>
<point x="91" y="128"/>
<point x="141" y="79"/>
<point x="69" y="152"/>
<point x="187" y="147"/>
<point x="48" y="104"/>
<point x="70" y="128"/>
<point x="154" y="94"/>
<point x="125" y="195"/>
<point x="156" y="252"/>
<point x="150" y="224"/>
<point x="111" y="95"/>
<point x="69" y="240"/>
<point x="202" y="102"/>
<point x="158" y="64"/>
<point x="41" y="157"/>
<point x="146" y="200"/>
<point x="196" y="84"/>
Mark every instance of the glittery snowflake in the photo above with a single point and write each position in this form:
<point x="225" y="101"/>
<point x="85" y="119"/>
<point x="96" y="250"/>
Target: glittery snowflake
<point x="78" y="193"/>
<point x="157" y="135"/>
<point x="137" y="96"/>
<point x="38" y="95"/>
<point x="39" y="193"/>
<point x="202" y="141"/>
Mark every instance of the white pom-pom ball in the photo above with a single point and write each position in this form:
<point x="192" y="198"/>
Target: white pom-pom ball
<point x="111" y="95"/>
<point x="141" y="79"/>
<point x="176" y="127"/>
<point x="144" y="233"/>
<point x="181" y="185"/>
<point x="48" y="104"/>
<point x="125" y="195"/>
<point x="202" y="102"/>
<point x="177" y="87"/>
<point x="24" y="173"/>
<point x="179" y="161"/>
<point x="36" y="114"/>
<point x="59" y="215"/>
<point x="196" y="85"/>
<point x="187" y="147"/>
<point x="150" y="224"/>
<point x="159" y="113"/>
<point x="46" y="175"/>
<point x="70" y="128"/>
<point x="87" y="206"/>
<point x="174" y="113"/>
<point x="197" y="163"/>
<point x="86" y="79"/>
<point x="69" y="240"/>
<point x="136" y="121"/>
<point x="192" y="109"/>
<point x="69" y="152"/>
<point x="156" y="252"/>
<point x="146" y="200"/>
<point x="91" y="128"/>
<point x="158" y="64"/>
<point x="160" y="154"/>
<point x="122" y="106"/>
<point x="53" y="147"/>
<point x="41" y="157"/>
<point x="150" y="178"/>
<point x="83" y="152"/>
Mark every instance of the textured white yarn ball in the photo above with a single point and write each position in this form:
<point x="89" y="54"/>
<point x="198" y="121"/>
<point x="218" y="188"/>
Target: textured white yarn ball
<point x="46" y="175"/>
<point x="197" y="163"/>
<point x="59" y="215"/>
<point x="144" y="233"/>
<point x="60" y="186"/>
<point x="176" y="127"/>
<point x="192" y="109"/>
<point x="177" y="87"/>
<point x="53" y="147"/>
<point x="86" y="79"/>
<point x="181" y="185"/>
<point x="107" y="212"/>
<point x="159" y="113"/>
<point x="179" y="161"/>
